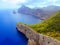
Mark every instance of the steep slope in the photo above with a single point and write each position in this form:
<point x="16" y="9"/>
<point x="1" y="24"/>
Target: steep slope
<point x="41" y="13"/>
<point x="24" y="10"/>
<point x="50" y="27"/>
<point x="35" y="12"/>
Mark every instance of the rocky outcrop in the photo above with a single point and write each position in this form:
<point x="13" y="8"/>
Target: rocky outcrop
<point x="35" y="38"/>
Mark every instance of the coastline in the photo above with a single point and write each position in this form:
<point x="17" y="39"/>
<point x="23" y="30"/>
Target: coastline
<point x="35" y="38"/>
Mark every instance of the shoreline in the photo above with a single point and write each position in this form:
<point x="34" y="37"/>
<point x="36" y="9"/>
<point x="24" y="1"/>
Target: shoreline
<point x="35" y="38"/>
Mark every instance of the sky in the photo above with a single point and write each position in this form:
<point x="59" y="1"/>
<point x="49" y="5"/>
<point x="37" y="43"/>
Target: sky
<point x="29" y="3"/>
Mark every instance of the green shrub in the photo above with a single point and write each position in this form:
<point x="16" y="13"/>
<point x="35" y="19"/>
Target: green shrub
<point x="50" y="26"/>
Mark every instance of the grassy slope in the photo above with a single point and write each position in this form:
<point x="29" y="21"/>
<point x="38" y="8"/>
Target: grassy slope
<point x="50" y="27"/>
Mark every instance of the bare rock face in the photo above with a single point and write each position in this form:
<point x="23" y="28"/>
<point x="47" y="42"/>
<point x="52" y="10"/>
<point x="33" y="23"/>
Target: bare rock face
<point x="34" y="38"/>
<point x="31" y="42"/>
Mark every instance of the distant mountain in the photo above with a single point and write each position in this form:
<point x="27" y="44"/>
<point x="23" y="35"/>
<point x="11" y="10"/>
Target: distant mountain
<point x="28" y="11"/>
<point x="52" y="8"/>
<point x="24" y="10"/>
<point x="41" y="13"/>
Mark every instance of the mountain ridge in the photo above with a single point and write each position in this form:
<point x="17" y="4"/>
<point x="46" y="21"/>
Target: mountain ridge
<point x="41" y="13"/>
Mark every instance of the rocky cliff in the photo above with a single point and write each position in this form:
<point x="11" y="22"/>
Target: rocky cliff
<point x="35" y="38"/>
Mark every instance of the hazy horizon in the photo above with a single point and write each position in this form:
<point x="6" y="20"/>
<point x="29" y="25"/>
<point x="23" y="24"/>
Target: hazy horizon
<point x="11" y="4"/>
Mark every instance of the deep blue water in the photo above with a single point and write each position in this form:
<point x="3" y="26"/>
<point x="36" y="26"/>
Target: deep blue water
<point x="8" y="32"/>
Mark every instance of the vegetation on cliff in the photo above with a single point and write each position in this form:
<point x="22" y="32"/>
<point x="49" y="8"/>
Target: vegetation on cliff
<point x="50" y="26"/>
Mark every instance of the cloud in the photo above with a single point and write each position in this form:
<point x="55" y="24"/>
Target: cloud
<point x="42" y="3"/>
<point x="29" y="3"/>
<point x="13" y="1"/>
<point x="10" y="3"/>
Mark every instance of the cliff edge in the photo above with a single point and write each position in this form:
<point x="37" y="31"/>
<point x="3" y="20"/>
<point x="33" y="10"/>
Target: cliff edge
<point x="35" y="38"/>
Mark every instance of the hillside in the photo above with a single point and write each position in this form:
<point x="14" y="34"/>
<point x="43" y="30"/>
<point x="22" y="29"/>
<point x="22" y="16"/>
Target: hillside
<point x="38" y="12"/>
<point x="50" y="27"/>
<point x="41" y="13"/>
